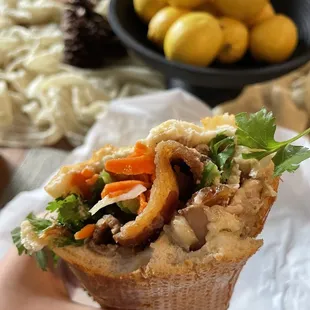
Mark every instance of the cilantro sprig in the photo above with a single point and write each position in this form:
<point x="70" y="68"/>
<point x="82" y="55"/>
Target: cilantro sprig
<point x="222" y="150"/>
<point x="15" y="233"/>
<point x="72" y="211"/>
<point x="209" y="174"/>
<point x="41" y="259"/>
<point x="38" y="225"/>
<point x="289" y="158"/>
<point x="257" y="132"/>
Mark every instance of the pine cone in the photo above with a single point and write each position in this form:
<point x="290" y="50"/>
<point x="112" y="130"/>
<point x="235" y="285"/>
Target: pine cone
<point x="88" y="37"/>
<point x="87" y="4"/>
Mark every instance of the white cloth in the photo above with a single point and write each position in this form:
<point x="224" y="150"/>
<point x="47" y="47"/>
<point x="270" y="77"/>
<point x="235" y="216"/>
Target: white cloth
<point x="278" y="276"/>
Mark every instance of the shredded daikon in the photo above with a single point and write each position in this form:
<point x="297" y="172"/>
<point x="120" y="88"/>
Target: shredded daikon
<point x="106" y="201"/>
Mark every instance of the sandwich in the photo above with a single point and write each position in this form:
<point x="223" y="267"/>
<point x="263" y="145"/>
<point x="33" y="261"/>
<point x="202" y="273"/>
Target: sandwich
<point x="169" y="222"/>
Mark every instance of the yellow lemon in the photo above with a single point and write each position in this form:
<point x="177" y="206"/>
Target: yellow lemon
<point x="194" y="38"/>
<point x="208" y="7"/>
<point x="274" y="40"/>
<point x="146" y="9"/>
<point x="240" y="9"/>
<point x="186" y="4"/>
<point x="265" y="13"/>
<point x="235" y="42"/>
<point x="161" y="22"/>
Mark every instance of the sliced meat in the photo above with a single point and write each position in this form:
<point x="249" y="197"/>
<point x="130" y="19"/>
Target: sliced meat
<point x="164" y="199"/>
<point x="188" y="167"/>
<point x="195" y="213"/>
<point x="191" y="157"/>
<point x="217" y="194"/>
<point x="185" y="181"/>
<point x="198" y="221"/>
<point x="203" y="149"/>
<point x="105" y="229"/>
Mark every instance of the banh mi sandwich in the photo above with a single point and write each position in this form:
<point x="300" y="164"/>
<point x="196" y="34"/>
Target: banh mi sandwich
<point x="169" y="222"/>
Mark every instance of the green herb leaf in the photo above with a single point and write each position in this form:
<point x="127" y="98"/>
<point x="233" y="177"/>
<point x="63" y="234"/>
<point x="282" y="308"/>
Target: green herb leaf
<point x="226" y="155"/>
<point x="38" y="224"/>
<point x="15" y="233"/>
<point x="53" y="205"/>
<point x="64" y="241"/>
<point x="96" y="191"/>
<point x="98" y="187"/>
<point x="257" y="132"/>
<point x="288" y="158"/>
<point x="72" y="211"/>
<point x="209" y="174"/>
<point x="41" y="259"/>
<point x="56" y="259"/>
<point x="222" y="150"/>
<point x="257" y="155"/>
<point x="226" y="171"/>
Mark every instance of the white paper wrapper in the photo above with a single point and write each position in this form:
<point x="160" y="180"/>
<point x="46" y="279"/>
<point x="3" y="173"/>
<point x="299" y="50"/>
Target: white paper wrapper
<point x="277" y="277"/>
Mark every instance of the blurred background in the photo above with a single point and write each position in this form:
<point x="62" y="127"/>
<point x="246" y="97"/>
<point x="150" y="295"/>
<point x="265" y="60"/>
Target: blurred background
<point x="63" y="62"/>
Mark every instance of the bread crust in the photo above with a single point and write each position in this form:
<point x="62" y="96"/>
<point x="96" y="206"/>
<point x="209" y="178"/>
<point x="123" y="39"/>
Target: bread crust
<point x="264" y="211"/>
<point x="206" y="283"/>
<point x="60" y="185"/>
<point x="199" y="288"/>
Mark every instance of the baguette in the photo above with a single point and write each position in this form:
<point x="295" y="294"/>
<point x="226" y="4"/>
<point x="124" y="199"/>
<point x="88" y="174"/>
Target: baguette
<point x="164" y="276"/>
<point x="176" y="217"/>
<point x="165" y="279"/>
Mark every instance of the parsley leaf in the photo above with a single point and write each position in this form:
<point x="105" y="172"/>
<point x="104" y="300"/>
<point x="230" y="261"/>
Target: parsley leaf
<point x="289" y="157"/>
<point x="72" y="211"/>
<point x="15" y="233"/>
<point x="226" y="171"/>
<point x="38" y="224"/>
<point x="56" y="259"/>
<point x="98" y="186"/>
<point x="41" y="259"/>
<point x="222" y="150"/>
<point x="63" y="241"/>
<point x="209" y="174"/>
<point x="257" y="132"/>
<point x="96" y="191"/>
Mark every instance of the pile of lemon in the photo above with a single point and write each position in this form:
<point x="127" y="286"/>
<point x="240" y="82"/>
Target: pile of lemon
<point x="197" y="32"/>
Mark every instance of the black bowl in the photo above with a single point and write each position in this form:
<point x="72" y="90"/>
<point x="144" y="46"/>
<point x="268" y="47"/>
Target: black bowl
<point x="217" y="82"/>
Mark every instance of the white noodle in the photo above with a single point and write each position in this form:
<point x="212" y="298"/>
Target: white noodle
<point x="43" y="99"/>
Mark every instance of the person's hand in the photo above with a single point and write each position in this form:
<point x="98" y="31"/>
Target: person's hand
<point x="24" y="286"/>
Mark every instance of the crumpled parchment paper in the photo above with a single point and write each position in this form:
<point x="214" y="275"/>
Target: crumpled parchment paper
<point x="288" y="97"/>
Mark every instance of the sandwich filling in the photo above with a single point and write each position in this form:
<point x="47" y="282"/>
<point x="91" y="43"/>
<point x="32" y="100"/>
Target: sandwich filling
<point x="196" y="185"/>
